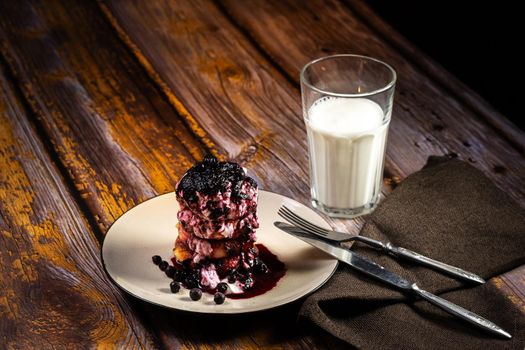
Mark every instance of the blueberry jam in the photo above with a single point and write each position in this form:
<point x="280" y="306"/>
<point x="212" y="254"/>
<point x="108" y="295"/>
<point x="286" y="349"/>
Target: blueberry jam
<point x="265" y="280"/>
<point x="210" y="177"/>
<point x="262" y="274"/>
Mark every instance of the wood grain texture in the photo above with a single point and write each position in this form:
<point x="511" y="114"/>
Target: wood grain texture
<point x="53" y="292"/>
<point x="121" y="143"/>
<point x="235" y="94"/>
<point x="427" y="119"/>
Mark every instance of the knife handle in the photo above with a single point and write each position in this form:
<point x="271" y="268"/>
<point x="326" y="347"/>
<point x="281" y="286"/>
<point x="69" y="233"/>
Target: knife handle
<point x="460" y="312"/>
<point x="438" y="265"/>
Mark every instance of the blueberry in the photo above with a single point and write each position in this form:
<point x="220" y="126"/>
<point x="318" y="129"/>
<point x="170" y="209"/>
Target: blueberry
<point x="222" y="287"/>
<point x="191" y="282"/>
<point x="244" y="196"/>
<point x="248" y="284"/>
<point x="156" y="259"/>
<point x="179" y="275"/>
<point x="209" y="159"/>
<point x="170" y="271"/>
<point x="195" y="294"/>
<point x="261" y="267"/>
<point x="163" y="265"/>
<point x="234" y="276"/>
<point x="218" y="298"/>
<point x="186" y="264"/>
<point x="174" y="287"/>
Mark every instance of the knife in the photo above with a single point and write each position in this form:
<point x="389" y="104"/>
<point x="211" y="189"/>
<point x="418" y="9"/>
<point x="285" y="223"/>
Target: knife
<point x="377" y="271"/>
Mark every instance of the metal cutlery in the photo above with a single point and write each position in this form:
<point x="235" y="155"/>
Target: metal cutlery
<point x="377" y="271"/>
<point x="340" y="237"/>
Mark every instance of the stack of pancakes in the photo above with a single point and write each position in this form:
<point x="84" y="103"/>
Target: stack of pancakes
<point x="217" y="219"/>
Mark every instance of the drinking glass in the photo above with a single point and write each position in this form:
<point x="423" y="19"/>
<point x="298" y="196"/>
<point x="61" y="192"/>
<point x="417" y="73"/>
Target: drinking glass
<point x="347" y="104"/>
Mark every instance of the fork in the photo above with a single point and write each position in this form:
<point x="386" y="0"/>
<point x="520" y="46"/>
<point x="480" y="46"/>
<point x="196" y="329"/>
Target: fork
<point x="340" y="237"/>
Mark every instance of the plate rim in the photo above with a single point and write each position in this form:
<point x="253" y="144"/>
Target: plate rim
<point x="231" y="312"/>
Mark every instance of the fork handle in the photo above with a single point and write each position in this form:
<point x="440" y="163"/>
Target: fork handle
<point x="371" y="242"/>
<point x="438" y="265"/>
<point x="423" y="260"/>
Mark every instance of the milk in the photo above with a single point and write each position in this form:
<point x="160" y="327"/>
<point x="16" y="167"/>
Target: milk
<point x="347" y="139"/>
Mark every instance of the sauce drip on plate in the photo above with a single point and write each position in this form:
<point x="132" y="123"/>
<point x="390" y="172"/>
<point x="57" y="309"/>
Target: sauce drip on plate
<point x="263" y="282"/>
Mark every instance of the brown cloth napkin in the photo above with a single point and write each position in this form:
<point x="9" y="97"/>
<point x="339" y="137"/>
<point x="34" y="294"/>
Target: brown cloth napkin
<point x="448" y="211"/>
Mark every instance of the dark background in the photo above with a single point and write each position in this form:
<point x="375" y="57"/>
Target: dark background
<point x="476" y="41"/>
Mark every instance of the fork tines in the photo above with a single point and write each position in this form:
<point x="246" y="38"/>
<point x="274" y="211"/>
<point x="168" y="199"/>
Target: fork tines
<point x="295" y="219"/>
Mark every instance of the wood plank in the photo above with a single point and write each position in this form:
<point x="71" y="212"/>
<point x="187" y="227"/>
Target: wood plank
<point x="427" y="118"/>
<point x="121" y="143"/>
<point x="53" y="292"/>
<point x="236" y="95"/>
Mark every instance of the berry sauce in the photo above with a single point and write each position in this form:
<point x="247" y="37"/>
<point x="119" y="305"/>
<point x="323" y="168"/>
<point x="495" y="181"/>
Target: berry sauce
<point x="263" y="282"/>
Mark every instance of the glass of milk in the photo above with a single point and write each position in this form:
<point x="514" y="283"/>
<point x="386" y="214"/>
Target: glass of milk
<point x="347" y="104"/>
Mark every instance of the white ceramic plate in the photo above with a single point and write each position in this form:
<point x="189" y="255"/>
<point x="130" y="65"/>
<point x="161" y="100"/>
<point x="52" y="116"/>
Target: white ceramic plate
<point x="149" y="229"/>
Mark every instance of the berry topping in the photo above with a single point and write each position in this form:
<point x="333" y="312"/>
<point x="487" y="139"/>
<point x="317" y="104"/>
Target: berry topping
<point x="191" y="281"/>
<point x="222" y="287"/>
<point x="163" y="265"/>
<point x="218" y="298"/>
<point x="248" y="284"/>
<point x="263" y="268"/>
<point x="170" y="271"/>
<point x="174" y="287"/>
<point x="195" y="294"/>
<point x="179" y="275"/>
<point x="259" y="266"/>
<point x="210" y="177"/>
<point x="234" y="276"/>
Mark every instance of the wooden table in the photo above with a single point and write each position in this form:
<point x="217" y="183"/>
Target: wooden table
<point x="104" y="105"/>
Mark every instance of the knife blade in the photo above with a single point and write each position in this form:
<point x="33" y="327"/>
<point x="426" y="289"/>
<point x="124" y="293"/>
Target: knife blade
<point x="377" y="271"/>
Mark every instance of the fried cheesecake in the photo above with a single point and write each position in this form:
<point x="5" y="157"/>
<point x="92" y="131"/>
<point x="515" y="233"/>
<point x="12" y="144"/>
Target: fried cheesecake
<point x="216" y="226"/>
